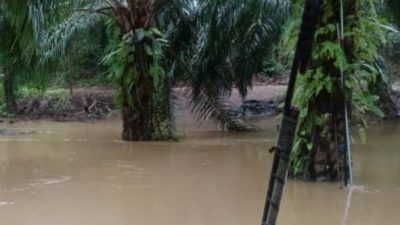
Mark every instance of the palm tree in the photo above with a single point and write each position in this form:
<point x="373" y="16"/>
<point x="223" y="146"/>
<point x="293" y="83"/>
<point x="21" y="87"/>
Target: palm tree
<point x="22" y="25"/>
<point x="319" y="151"/>
<point x="224" y="45"/>
<point x="213" y="45"/>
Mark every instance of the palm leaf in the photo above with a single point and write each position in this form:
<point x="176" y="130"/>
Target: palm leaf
<point x="165" y="100"/>
<point x="222" y="44"/>
<point x="27" y="21"/>
<point x="393" y="9"/>
<point x="209" y="106"/>
<point x="59" y="36"/>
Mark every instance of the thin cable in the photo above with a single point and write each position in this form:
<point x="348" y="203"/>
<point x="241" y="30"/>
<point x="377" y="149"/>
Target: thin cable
<point x="347" y="208"/>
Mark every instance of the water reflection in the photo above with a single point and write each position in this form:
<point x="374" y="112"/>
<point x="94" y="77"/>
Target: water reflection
<point x="81" y="174"/>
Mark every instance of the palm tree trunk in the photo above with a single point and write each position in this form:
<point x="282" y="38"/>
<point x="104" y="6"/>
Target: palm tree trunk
<point x="137" y="101"/>
<point x="9" y="90"/>
<point x="327" y="156"/>
<point x="137" y="124"/>
<point x="137" y="115"/>
<point x="71" y="70"/>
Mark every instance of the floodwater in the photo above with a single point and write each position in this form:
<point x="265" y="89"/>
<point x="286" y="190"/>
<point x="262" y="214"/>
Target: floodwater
<point x="82" y="174"/>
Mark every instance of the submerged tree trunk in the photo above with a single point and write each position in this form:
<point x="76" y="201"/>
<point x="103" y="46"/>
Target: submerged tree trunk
<point x="326" y="156"/>
<point x="137" y="114"/>
<point x="137" y="87"/>
<point x="320" y="150"/>
<point x="329" y="157"/>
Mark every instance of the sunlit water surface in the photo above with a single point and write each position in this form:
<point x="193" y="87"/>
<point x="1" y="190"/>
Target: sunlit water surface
<point x="83" y="174"/>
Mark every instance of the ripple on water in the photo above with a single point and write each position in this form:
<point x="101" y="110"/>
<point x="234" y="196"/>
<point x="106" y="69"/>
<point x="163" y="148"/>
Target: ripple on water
<point x="119" y="164"/>
<point x="124" y="166"/>
<point x="82" y="140"/>
<point x="364" y="189"/>
<point x="137" y="173"/>
<point x="19" y="140"/>
<point x="129" y="187"/>
<point x="2" y="204"/>
<point x="50" y="181"/>
<point x="13" y="190"/>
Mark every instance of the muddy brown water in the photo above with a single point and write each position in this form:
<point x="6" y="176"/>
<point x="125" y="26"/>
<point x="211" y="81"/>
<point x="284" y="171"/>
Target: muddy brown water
<point x="82" y="174"/>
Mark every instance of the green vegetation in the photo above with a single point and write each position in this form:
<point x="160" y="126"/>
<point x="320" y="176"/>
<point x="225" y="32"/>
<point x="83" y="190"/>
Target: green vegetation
<point x="316" y="154"/>
<point x="211" y="46"/>
<point x="143" y="49"/>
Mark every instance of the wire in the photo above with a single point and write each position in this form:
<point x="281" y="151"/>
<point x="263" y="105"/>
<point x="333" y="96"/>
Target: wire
<point x="346" y="114"/>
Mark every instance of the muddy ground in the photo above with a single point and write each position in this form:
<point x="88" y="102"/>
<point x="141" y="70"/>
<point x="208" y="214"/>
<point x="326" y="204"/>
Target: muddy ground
<point x="99" y="103"/>
<point x="84" y="104"/>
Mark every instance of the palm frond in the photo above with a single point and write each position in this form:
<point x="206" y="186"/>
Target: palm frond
<point x="58" y="37"/>
<point x="392" y="10"/>
<point x="209" y="106"/>
<point x="165" y="100"/>
<point x="222" y="44"/>
<point x="256" y="43"/>
<point x="27" y="20"/>
<point x="234" y="39"/>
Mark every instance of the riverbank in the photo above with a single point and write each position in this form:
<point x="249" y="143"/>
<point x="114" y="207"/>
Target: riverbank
<point x="59" y="105"/>
<point x="98" y="103"/>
